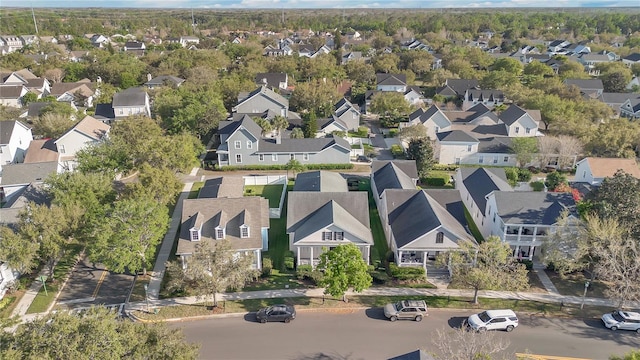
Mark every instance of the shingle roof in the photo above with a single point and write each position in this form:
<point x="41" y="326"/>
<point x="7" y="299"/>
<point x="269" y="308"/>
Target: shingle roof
<point x="460" y="86"/>
<point x="495" y="145"/>
<point x="41" y="151"/>
<point x="586" y="84"/>
<point x="301" y="145"/>
<point x="391" y="79"/>
<point x="35" y="108"/>
<point x="6" y="129"/>
<point x="532" y="207"/>
<point x="512" y="114"/>
<point x="452" y="202"/>
<point x="161" y="80"/>
<point x="607" y="167"/>
<point x="272" y="80"/>
<point x="455" y="136"/>
<point x="221" y="187"/>
<point x="229" y="127"/>
<point x="16" y="202"/>
<point x="84" y="88"/>
<point x="92" y="128"/>
<point x="479" y="182"/>
<point x="13" y="174"/>
<point x="130" y="97"/>
<point x="11" y="91"/>
<point x="392" y="176"/>
<point x="104" y="111"/>
<point x="321" y="181"/>
<point x="264" y="90"/>
<point x="632" y="57"/>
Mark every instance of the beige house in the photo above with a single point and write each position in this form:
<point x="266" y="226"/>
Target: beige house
<point x="594" y="170"/>
<point x="85" y="133"/>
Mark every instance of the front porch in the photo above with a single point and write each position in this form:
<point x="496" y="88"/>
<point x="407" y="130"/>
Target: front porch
<point x="310" y="254"/>
<point x="524" y="239"/>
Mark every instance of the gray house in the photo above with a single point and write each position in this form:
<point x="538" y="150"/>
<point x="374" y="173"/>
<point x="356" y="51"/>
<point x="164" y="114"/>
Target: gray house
<point x="391" y="174"/>
<point x="260" y="100"/>
<point x="241" y="144"/>
<point x="347" y="113"/>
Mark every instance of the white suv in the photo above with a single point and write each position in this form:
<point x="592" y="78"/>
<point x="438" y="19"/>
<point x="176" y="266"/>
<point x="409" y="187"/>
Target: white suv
<point x="493" y="320"/>
<point x="623" y="320"/>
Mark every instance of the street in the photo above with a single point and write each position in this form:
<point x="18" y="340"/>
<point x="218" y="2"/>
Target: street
<point x="366" y="334"/>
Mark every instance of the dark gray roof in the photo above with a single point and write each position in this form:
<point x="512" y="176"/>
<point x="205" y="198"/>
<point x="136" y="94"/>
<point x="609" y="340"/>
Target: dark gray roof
<point x="14" y="174"/>
<point x="307" y="212"/>
<point x="495" y="145"/>
<point x="460" y="86"/>
<point x="272" y="80"/>
<point x="135" y="96"/>
<point x="479" y="182"/>
<point x="455" y="136"/>
<point x="16" y="202"/>
<point x="452" y="202"/>
<point x="6" y="129"/>
<point x="35" y="108"/>
<point x="616" y="98"/>
<point x="104" y="111"/>
<point x="414" y="213"/>
<point x="446" y="91"/>
<point x="414" y="355"/>
<point x="512" y="114"/>
<point x="586" y="84"/>
<point x="391" y="79"/>
<point x="394" y="174"/>
<point x="275" y="97"/>
<point x="322" y="181"/>
<point x="221" y="187"/>
<point x="229" y="127"/>
<point x="485" y="95"/>
<point x="306" y="145"/>
<point x="495" y="129"/>
<point x="532" y="207"/>
<point x="163" y="79"/>
<point x="632" y="57"/>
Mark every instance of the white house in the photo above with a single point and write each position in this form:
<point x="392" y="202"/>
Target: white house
<point x="85" y="133"/>
<point x="15" y="138"/>
<point x="592" y="170"/>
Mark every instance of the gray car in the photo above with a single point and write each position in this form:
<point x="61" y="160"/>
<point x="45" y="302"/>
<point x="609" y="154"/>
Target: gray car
<point x="406" y="310"/>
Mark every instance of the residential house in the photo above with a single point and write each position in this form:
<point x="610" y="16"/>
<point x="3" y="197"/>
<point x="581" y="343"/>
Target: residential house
<point x="42" y="150"/>
<point x="556" y="46"/>
<point x="418" y="227"/>
<point x="593" y="171"/>
<point x="414" y="44"/>
<point x="413" y="95"/>
<point x="134" y="46"/>
<point x="591" y="60"/>
<point x="15" y="138"/>
<point x="274" y="81"/>
<point x="322" y="214"/>
<point x="282" y="50"/>
<point x="129" y="102"/>
<point x="432" y="118"/>
<point x="457" y="88"/>
<point x="221" y="187"/>
<point x="260" y="100"/>
<point x="617" y="101"/>
<point x="489" y="98"/>
<point x="590" y="87"/>
<point x="11" y="95"/>
<point x="241" y="144"/>
<point x="391" y="82"/>
<point x="80" y="93"/>
<point x="351" y="56"/>
<point x="352" y="35"/>
<point x="348" y="113"/>
<point x="631" y="108"/>
<point x="631" y="59"/>
<point x="243" y="221"/>
<point x="524" y="219"/>
<point x="633" y="84"/>
<point x="391" y="174"/>
<point x="99" y="40"/>
<point x="85" y="133"/>
<point x="12" y="42"/>
<point x="39" y="86"/>
<point x="163" y="80"/>
<point x="474" y="185"/>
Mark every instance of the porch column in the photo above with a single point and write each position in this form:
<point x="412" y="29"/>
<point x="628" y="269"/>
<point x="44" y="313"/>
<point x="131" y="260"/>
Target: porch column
<point x="298" y="262"/>
<point x="184" y="266"/>
<point x="424" y="261"/>
<point x="399" y="259"/>
<point x="258" y="259"/>
<point x="311" y="256"/>
<point x="535" y="233"/>
<point x="517" y="254"/>
<point x="367" y="249"/>
<point x="531" y="250"/>
<point x="519" y="232"/>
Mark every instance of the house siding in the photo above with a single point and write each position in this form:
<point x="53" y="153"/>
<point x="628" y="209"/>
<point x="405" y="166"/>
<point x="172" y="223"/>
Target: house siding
<point x="584" y="174"/>
<point x="260" y="103"/>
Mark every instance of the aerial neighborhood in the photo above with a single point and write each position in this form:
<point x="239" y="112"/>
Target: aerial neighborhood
<point x="193" y="160"/>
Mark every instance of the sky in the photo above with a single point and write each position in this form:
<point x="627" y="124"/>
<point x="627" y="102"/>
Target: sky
<point x="316" y="4"/>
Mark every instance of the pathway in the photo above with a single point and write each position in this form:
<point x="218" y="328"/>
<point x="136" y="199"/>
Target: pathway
<point x="27" y="299"/>
<point x="538" y="269"/>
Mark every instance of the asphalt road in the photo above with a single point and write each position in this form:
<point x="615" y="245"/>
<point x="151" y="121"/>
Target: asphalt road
<point x="365" y="334"/>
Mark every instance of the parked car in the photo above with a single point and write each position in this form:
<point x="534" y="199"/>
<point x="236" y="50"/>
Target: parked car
<point x="362" y="158"/>
<point x="493" y="320"/>
<point x="623" y="320"/>
<point x="406" y="310"/>
<point x="279" y="312"/>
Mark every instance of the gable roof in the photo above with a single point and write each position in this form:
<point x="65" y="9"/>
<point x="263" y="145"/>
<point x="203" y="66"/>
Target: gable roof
<point x="307" y="145"/>
<point x="309" y="211"/>
<point x="44" y="150"/>
<point x="104" y="111"/>
<point x="632" y="57"/>
<point x="321" y="181"/>
<point x="532" y="207"/>
<point x="83" y="88"/>
<point x="512" y="114"/>
<point x="460" y="86"/>
<point x="221" y="187"/>
<point x="607" y="167"/>
<point x="229" y="127"/>
<point x="91" y="127"/>
<point x="135" y="96"/>
<point x="266" y="92"/>
<point x="585" y="84"/>
<point x="271" y="80"/>
<point x="16" y="202"/>
<point x="451" y="201"/>
<point x="394" y="174"/>
<point x="11" y="91"/>
<point x="456" y="136"/>
<point x="162" y="79"/>
<point x="6" y="130"/>
<point x="14" y="174"/>
<point x="480" y="182"/>
<point x="391" y="79"/>
<point x="414" y="213"/>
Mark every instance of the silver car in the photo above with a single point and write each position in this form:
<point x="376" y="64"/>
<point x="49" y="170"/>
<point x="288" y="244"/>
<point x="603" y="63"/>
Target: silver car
<point x="493" y="320"/>
<point x="623" y="320"/>
<point x="406" y="310"/>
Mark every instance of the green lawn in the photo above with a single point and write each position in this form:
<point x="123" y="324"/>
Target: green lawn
<point x="329" y="303"/>
<point x="195" y="189"/>
<point x="278" y="239"/>
<point x="9" y="302"/>
<point x="472" y="226"/>
<point x="270" y="192"/>
<point x="380" y="247"/>
<point x="277" y="280"/>
<point x="573" y="285"/>
<point x="42" y="301"/>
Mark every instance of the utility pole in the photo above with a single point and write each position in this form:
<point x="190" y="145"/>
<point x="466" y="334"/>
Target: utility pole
<point x="34" y="20"/>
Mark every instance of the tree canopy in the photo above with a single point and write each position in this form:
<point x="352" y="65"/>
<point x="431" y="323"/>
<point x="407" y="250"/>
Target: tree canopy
<point x="344" y="268"/>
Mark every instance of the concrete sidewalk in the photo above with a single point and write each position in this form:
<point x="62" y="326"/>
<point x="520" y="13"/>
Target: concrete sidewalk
<point x="26" y="299"/>
<point x="385" y="291"/>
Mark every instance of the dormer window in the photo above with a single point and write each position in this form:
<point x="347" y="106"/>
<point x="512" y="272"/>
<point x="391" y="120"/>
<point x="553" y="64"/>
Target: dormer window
<point x="244" y="231"/>
<point x="219" y="233"/>
<point x="195" y="234"/>
<point x="527" y="131"/>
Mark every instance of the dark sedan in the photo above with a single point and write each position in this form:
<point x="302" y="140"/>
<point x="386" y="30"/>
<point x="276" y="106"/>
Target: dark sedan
<point x="279" y="312"/>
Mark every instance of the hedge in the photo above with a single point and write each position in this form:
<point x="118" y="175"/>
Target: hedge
<point x="284" y="167"/>
<point x="397" y="150"/>
<point x="306" y="272"/>
<point x="537" y="185"/>
<point x="445" y="167"/>
<point x="407" y="273"/>
<point x="437" y="178"/>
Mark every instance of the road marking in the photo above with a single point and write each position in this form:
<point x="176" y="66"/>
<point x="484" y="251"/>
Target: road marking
<point x="545" y="357"/>
<point x="102" y="276"/>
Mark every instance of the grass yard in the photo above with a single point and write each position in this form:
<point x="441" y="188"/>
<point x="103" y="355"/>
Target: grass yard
<point x="380" y="248"/>
<point x="277" y="280"/>
<point x="9" y="302"/>
<point x="573" y="285"/>
<point x="530" y="307"/>
<point x="195" y="189"/>
<point x="43" y="300"/>
<point x="270" y="192"/>
<point x="278" y="239"/>
<point x="472" y="226"/>
<point x="138" y="293"/>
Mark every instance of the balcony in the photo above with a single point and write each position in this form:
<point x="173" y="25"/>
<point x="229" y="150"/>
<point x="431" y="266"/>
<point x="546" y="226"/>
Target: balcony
<point x="525" y="239"/>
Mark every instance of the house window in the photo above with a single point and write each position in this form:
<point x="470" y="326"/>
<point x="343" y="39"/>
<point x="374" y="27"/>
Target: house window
<point x="469" y="148"/>
<point x="121" y="112"/>
<point x="440" y="238"/>
<point x="249" y="145"/>
<point x="261" y="157"/>
<point x="495" y="159"/>
<point x="219" y="233"/>
<point x="437" y="129"/>
<point x="244" y="231"/>
<point x="61" y="149"/>
<point x="237" y="144"/>
<point x="584" y="174"/>
<point x="338" y="235"/>
<point x="327" y="235"/>
<point x="274" y="157"/>
<point x="527" y="131"/>
<point x="292" y="156"/>
<point x="195" y="234"/>
<point x="457" y="161"/>
<point x="305" y="157"/>
<point x="494" y="217"/>
<point x="506" y="159"/>
<point x="480" y="159"/>
<point x="517" y="129"/>
<point x="238" y="158"/>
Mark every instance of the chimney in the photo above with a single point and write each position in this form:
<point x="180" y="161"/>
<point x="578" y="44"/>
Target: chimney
<point x="278" y="139"/>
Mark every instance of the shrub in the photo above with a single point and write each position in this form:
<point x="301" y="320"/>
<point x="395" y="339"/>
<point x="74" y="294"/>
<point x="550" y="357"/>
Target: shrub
<point x="528" y="263"/>
<point x="524" y="175"/>
<point x="397" y="150"/>
<point x="512" y="175"/>
<point x="554" y="179"/>
<point x="393" y="132"/>
<point x="379" y="277"/>
<point x="445" y="167"/>
<point x="306" y="272"/>
<point x="6" y="301"/>
<point x="289" y="263"/>
<point x="267" y="266"/>
<point x="537" y="185"/>
<point x="407" y="273"/>
<point x="437" y="178"/>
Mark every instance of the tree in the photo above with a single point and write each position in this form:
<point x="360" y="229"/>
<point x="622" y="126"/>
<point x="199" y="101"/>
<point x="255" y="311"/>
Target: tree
<point x="412" y="133"/>
<point x="52" y="125"/>
<point x="29" y="98"/>
<point x="317" y="96"/>
<point x="212" y="268"/>
<point x="264" y="124"/>
<point x="421" y="151"/>
<point x="59" y="108"/>
<point x="488" y="266"/>
<point x="297" y="133"/>
<point x="524" y="148"/>
<point x="160" y="184"/>
<point x="390" y="103"/>
<point x="618" y="197"/>
<point x="477" y="345"/>
<point x="68" y="335"/>
<point x="633" y="355"/>
<point x="18" y="253"/>
<point x="279" y="123"/>
<point x="126" y="239"/>
<point x="295" y="166"/>
<point x="344" y="268"/>
<point x="507" y="64"/>
<point x="555" y="179"/>
<point x="537" y="68"/>
<point x="310" y="125"/>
